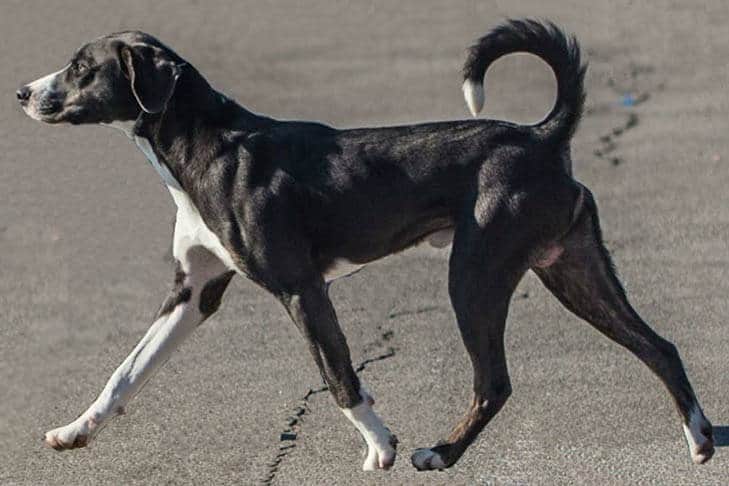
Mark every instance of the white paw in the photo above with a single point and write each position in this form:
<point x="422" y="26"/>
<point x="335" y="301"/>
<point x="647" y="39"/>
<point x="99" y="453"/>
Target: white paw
<point x="427" y="459"/>
<point x="381" y="453"/>
<point x="381" y="443"/>
<point x="703" y="454"/>
<point x="699" y="435"/>
<point x="701" y="449"/>
<point x="76" y="434"/>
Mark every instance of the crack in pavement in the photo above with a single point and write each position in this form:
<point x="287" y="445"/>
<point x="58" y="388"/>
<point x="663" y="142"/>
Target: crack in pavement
<point x="294" y="421"/>
<point x="419" y="310"/>
<point x="289" y="434"/>
<point x="608" y="141"/>
<point x="388" y="354"/>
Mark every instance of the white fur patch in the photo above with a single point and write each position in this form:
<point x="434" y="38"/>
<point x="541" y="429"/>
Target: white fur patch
<point x="694" y="436"/>
<point x="46" y="82"/>
<point x="474" y="95"/>
<point x="380" y="451"/>
<point x="161" y="168"/>
<point x="190" y="229"/>
<point x="76" y="434"/>
<point x="163" y="337"/>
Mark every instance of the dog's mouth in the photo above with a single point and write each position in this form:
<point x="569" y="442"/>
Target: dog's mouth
<point x="42" y="114"/>
<point x="53" y="111"/>
<point x="49" y="109"/>
<point x="43" y="109"/>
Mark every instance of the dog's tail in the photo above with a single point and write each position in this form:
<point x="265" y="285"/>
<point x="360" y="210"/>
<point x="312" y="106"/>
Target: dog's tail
<point x="543" y="39"/>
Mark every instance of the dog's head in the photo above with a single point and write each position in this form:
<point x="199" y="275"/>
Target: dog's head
<point x="113" y="78"/>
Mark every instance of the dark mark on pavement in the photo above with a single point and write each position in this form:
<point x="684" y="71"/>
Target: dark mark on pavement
<point x="388" y="354"/>
<point x="421" y="310"/>
<point x="290" y="433"/>
<point x="625" y="89"/>
<point x="608" y="141"/>
<point x="295" y="421"/>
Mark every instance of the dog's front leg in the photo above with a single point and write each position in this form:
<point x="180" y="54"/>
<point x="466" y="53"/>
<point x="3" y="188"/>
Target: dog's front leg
<point x="200" y="281"/>
<point x="313" y="313"/>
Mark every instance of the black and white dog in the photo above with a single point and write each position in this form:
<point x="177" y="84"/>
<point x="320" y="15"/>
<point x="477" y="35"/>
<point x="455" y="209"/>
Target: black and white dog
<point x="294" y="205"/>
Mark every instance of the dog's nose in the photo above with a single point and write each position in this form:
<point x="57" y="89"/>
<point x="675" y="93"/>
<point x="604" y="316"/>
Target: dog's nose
<point x="23" y="94"/>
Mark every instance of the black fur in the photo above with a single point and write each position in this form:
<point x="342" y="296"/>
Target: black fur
<point x="212" y="293"/>
<point x="179" y="294"/>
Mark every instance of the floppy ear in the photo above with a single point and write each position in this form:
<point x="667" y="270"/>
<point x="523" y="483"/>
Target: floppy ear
<point x="152" y="75"/>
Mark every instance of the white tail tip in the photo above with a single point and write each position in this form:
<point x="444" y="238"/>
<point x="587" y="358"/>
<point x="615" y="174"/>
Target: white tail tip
<point x="473" y="93"/>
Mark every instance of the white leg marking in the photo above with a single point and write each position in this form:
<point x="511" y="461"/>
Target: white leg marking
<point x="473" y="93"/>
<point x="700" y="446"/>
<point x="169" y="331"/>
<point x="380" y="441"/>
<point x="162" y="338"/>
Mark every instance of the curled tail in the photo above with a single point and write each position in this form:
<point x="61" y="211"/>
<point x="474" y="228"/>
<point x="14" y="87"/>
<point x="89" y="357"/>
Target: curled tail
<point x="547" y="41"/>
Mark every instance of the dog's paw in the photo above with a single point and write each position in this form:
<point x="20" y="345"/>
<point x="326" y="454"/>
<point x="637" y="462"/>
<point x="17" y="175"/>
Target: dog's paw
<point x="72" y="436"/>
<point x="702" y="446"/>
<point x="381" y="454"/>
<point x="427" y="459"/>
<point x="700" y="437"/>
<point x="703" y="453"/>
<point x="701" y="442"/>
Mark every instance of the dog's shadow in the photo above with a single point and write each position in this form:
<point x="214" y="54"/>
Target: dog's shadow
<point x="721" y="436"/>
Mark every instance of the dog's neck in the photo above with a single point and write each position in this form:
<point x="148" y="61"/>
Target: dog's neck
<point x="170" y="140"/>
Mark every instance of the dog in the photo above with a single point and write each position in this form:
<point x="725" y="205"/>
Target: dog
<point x="294" y="205"/>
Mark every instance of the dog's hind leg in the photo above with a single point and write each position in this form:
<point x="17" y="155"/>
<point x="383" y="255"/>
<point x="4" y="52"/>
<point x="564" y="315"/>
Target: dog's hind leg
<point x="583" y="279"/>
<point x="200" y="281"/>
<point x="487" y="261"/>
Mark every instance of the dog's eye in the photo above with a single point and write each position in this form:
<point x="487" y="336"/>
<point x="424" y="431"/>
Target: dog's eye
<point x="80" y="68"/>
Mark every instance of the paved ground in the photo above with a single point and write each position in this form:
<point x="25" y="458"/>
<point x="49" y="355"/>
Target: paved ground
<point x="84" y="226"/>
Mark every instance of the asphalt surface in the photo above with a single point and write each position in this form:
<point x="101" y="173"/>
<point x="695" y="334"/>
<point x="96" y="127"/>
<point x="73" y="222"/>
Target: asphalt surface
<point x="85" y="224"/>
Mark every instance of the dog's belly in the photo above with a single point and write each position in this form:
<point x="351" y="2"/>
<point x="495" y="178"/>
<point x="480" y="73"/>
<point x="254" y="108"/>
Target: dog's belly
<point x="440" y="239"/>
<point x="341" y="267"/>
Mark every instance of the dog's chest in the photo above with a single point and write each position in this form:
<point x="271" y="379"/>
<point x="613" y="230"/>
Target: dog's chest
<point x="190" y="228"/>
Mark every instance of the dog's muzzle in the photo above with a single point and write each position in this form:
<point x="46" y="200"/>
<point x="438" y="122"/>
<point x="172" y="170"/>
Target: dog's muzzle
<point x="23" y="95"/>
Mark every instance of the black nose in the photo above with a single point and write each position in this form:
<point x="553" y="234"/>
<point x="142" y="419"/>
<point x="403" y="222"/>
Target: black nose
<point x="23" y="94"/>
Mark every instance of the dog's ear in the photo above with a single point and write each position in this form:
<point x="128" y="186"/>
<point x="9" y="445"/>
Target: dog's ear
<point x="152" y="75"/>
